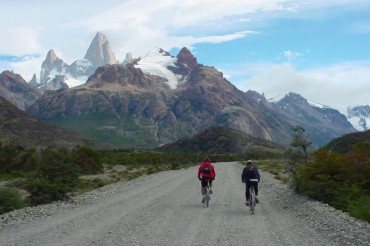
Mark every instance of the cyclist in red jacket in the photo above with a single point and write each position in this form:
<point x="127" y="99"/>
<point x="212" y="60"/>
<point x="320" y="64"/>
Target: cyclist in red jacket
<point x="206" y="173"/>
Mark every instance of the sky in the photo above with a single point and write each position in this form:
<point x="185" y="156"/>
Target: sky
<point x="319" y="49"/>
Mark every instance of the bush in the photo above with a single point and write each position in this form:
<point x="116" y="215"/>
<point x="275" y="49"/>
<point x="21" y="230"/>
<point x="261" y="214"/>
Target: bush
<point x="54" y="177"/>
<point x="10" y="199"/>
<point x="341" y="180"/>
<point x="87" y="159"/>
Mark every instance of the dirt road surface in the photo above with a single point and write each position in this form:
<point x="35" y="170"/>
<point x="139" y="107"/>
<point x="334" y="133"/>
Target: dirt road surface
<point x="166" y="209"/>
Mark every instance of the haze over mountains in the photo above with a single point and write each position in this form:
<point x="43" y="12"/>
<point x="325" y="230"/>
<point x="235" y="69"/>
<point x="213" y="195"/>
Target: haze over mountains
<point x="158" y="99"/>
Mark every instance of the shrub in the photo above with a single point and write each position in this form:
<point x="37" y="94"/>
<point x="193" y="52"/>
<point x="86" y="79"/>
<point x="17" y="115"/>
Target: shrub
<point x="341" y="180"/>
<point x="54" y="177"/>
<point x="10" y="199"/>
<point x="87" y="159"/>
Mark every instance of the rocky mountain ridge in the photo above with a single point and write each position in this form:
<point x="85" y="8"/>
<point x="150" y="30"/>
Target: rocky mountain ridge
<point x="160" y="98"/>
<point x="15" y="90"/>
<point x="130" y="107"/>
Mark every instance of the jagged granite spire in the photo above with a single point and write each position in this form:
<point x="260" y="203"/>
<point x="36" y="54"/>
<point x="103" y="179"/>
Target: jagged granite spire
<point x="52" y="62"/>
<point x="33" y="81"/>
<point x="100" y="52"/>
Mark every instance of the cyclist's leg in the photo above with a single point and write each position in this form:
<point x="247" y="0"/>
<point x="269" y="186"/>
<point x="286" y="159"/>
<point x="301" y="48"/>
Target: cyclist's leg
<point x="256" y="191"/>
<point x="204" y="183"/>
<point x="211" y="185"/>
<point x="247" y="186"/>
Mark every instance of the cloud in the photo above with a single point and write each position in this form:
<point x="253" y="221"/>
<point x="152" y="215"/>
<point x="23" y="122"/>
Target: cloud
<point x="142" y="25"/>
<point x="19" y="41"/>
<point x="291" y="55"/>
<point x="27" y="67"/>
<point x="338" y="85"/>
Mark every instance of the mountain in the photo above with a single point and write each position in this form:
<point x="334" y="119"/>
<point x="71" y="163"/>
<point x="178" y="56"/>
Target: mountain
<point x="343" y="144"/>
<point x="359" y="116"/>
<point x="321" y="123"/>
<point x="51" y="66"/>
<point x="18" y="127"/>
<point x="98" y="54"/>
<point x="159" y="99"/>
<point x="173" y="69"/>
<point x="222" y="140"/>
<point x="126" y="107"/>
<point x="17" y="91"/>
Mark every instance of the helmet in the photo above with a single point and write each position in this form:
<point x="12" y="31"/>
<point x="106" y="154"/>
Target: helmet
<point x="249" y="162"/>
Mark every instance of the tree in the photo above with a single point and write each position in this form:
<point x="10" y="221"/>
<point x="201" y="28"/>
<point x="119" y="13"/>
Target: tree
<point x="300" y="140"/>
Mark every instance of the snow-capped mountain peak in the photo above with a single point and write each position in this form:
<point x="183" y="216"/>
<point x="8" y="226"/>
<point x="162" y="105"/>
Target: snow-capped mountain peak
<point x="157" y="62"/>
<point x="359" y="116"/>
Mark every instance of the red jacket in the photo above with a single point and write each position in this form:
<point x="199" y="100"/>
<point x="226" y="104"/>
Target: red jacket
<point x="212" y="174"/>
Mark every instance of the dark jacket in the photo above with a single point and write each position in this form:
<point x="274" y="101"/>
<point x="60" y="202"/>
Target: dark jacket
<point x="248" y="173"/>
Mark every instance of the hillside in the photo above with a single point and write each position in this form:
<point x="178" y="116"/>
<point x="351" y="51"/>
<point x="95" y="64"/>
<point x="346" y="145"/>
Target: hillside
<point x="222" y="140"/>
<point x="343" y="144"/>
<point x="18" y="127"/>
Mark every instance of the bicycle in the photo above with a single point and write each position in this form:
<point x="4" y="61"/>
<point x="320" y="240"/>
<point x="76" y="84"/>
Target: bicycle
<point x="252" y="196"/>
<point x="207" y="194"/>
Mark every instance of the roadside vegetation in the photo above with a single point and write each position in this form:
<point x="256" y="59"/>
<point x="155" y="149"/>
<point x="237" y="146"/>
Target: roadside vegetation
<point x="339" y="178"/>
<point x="29" y="177"/>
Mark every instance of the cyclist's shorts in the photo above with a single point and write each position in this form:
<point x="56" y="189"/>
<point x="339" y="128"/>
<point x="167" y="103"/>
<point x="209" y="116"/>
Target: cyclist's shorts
<point x="250" y="183"/>
<point x="205" y="181"/>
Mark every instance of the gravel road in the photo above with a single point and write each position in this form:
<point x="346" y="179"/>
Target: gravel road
<point x="166" y="209"/>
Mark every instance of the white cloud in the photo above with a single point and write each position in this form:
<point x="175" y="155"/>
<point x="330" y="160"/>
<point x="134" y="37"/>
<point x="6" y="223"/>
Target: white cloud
<point x="18" y="41"/>
<point x="27" y="67"/>
<point x="142" y="25"/>
<point x="337" y="86"/>
<point x="291" y="55"/>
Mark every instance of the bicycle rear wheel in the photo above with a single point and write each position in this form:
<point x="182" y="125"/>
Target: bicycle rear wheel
<point x="252" y="199"/>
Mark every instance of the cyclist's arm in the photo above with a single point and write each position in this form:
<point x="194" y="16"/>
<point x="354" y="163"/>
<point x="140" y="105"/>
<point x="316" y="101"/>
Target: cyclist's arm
<point x="199" y="171"/>
<point x="243" y="176"/>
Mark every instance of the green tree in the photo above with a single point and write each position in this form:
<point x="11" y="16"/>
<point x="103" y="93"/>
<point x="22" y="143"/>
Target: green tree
<point x="300" y="140"/>
<point x="55" y="176"/>
<point x="88" y="160"/>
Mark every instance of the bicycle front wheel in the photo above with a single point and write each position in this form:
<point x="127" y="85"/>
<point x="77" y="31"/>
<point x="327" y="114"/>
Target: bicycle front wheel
<point x="207" y="197"/>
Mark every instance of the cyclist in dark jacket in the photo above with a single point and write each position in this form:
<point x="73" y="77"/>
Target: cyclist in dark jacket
<point x="250" y="172"/>
<point x="206" y="173"/>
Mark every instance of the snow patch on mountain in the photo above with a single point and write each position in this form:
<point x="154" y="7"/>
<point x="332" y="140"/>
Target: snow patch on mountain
<point x="318" y="105"/>
<point x="359" y="117"/>
<point x="157" y="62"/>
<point x="73" y="82"/>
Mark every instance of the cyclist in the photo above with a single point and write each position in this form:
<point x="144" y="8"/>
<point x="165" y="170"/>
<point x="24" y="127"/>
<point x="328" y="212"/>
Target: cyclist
<point x="206" y="173"/>
<point x="250" y="172"/>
